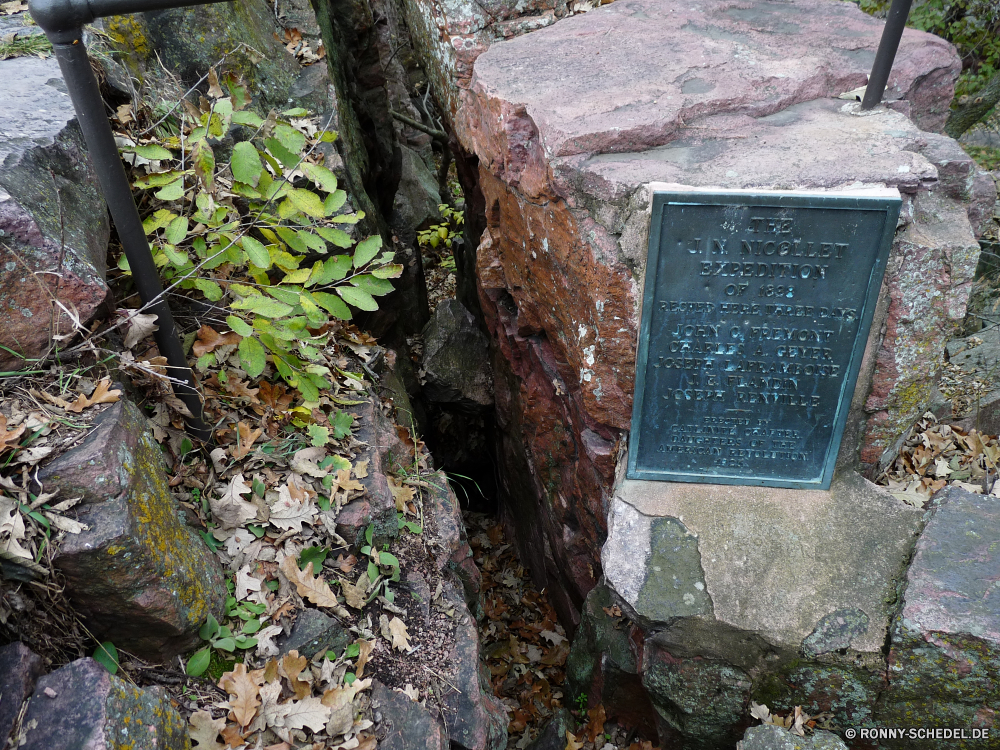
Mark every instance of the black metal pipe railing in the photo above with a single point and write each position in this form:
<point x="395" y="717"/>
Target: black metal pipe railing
<point x="62" y="21"/>
<point x="886" y="55"/>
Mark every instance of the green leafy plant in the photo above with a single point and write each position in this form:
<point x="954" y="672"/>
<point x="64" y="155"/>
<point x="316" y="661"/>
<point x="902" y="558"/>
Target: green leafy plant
<point x="267" y="223"/>
<point x="107" y="656"/>
<point x="444" y="234"/>
<point x="383" y="567"/>
<point x="404" y="525"/>
<point x="220" y="637"/>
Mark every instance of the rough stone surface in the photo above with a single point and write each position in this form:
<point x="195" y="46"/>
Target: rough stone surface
<point x="53" y="221"/>
<point x="572" y="123"/>
<point x="945" y="642"/>
<point x="86" y="708"/>
<point x="405" y="724"/>
<point x="417" y="198"/>
<point x="142" y="578"/>
<point x="475" y="719"/>
<point x="456" y="358"/>
<point x="770" y="737"/>
<point x="20" y="668"/>
<point x="314" y="632"/>
<point x="553" y="734"/>
<point x="784" y="564"/>
<point x="450" y="537"/>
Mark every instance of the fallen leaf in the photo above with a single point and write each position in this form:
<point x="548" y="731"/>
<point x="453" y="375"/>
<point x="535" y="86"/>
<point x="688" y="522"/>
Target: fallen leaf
<point x="340" y="700"/>
<point x="12" y="527"/>
<point x="306" y="461"/>
<point x="315" y="589"/>
<point x="552" y="637"/>
<point x="308" y="712"/>
<point x="243" y="693"/>
<point x="9" y="438"/>
<point x="290" y="667"/>
<point x="269" y="712"/>
<point x="342" y="481"/>
<point x="209" y="339"/>
<point x="101" y="395"/>
<point x="398" y="635"/>
<point x="365" y="649"/>
<point x="246" y="583"/>
<point x="361" y="469"/>
<point x="410" y="692"/>
<point x="400" y="493"/>
<point x="15" y="6"/>
<point x="204" y="731"/>
<point x="139" y="326"/>
<point x="246" y="440"/>
<point x="265" y="640"/>
<point x="595" y="723"/>
<point x="355" y="593"/>
<point x="571" y="741"/>
<point x="230" y="510"/>
<point x="289" y="513"/>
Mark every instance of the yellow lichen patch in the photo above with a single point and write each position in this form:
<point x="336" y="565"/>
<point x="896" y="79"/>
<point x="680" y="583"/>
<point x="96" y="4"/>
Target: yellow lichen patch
<point x="128" y="32"/>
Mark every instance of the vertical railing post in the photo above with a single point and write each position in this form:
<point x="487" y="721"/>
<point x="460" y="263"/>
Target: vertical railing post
<point x="62" y="21"/>
<point x="886" y="55"/>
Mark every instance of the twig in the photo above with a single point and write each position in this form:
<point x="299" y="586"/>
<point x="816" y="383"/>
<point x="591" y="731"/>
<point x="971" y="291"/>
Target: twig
<point x="437" y="135"/>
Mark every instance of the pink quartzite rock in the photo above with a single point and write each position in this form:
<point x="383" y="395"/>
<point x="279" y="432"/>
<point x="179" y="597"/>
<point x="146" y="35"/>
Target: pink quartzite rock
<point x="20" y="668"/>
<point x="142" y="578"/>
<point x="53" y="223"/>
<point x="82" y="707"/>
<point x="572" y="123"/>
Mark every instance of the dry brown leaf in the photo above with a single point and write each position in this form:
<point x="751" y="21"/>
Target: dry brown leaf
<point x="56" y="400"/>
<point x="243" y="694"/>
<point x="9" y="439"/>
<point x="342" y="481"/>
<point x="230" y="510"/>
<point x="101" y="395"/>
<point x="595" y="723"/>
<point x="209" y="339"/>
<point x="369" y="742"/>
<point x="246" y="440"/>
<point x="315" y="589"/>
<point x="339" y="701"/>
<point x="401" y="494"/>
<point x="139" y="326"/>
<point x="289" y="512"/>
<point x="290" y="667"/>
<point x="346" y="564"/>
<point x="365" y="649"/>
<point x="571" y="741"/>
<point x="214" y="89"/>
<point x="204" y="731"/>
<point x="308" y="712"/>
<point x="361" y="469"/>
<point x="231" y="734"/>
<point x="399" y="636"/>
<point x="355" y="593"/>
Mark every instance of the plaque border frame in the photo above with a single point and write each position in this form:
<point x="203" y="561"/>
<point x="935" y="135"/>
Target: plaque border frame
<point x="880" y="199"/>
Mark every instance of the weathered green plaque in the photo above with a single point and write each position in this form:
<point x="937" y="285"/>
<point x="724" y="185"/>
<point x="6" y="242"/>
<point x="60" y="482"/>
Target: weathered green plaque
<point x="756" y="311"/>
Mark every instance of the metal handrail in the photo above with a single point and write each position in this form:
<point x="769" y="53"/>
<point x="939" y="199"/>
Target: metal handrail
<point x="62" y="21"/>
<point x="888" y="45"/>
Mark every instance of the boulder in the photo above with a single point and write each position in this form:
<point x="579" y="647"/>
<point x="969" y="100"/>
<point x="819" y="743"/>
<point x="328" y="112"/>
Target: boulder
<point x="945" y="642"/>
<point x="708" y="95"/>
<point x="404" y="724"/>
<point x="417" y="198"/>
<point x="456" y="359"/>
<point x="139" y="575"/>
<point x="82" y="706"/>
<point x="314" y="632"/>
<point x="553" y="734"/>
<point x="448" y="532"/>
<point x="20" y="668"/>
<point x="53" y="220"/>
<point x="770" y="737"/>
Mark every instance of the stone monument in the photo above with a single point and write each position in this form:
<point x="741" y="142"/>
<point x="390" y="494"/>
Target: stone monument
<point x="717" y="590"/>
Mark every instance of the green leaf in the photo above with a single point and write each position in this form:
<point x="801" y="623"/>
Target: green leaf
<point x="366" y="250"/>
<point x="334" y="236"/>
<point x="369" y="534"/>
<point x="225" y="644"/>
<point x="348" y="218"/>
<point x="295" y="112"/>
<point x="322" y="177"/>
<point x="251" y="626"/>
<point x="334" y="201"/>
<point x="246" y="164"/>
<point x="287" y="158"/>
<point x="290" y="138"/>
<point x="252" y="356"/>
<point x="292" y="239"/>
<point x="307" y="202"/>
<point x="203" y="160"/>
<point x="312" y="241"/>
<point x="151" y="151"/>
<point x="309" y="391"/>
<point x="387" y="558"/>
<point x="413" y="528"/>
<point x="334" y="269"/>
<point x="107" y="656"/>
<point x="315" y="555"/>
<point x="335" y="463"/>
<point x="198" y="663"/>
<point x="372" y="571"/>
<point x="211" y="290"/>
<point x="177" y="258"/>
<point x="210" y="629"/>
<point x="333" y="305"/>
<point x="349" y="678"/>
<point x="269" y="308"/>
<point x="342" y="423"/>
<point x="353" y="651"/>
<point x="239" y="326"/>
<point x="243" y="642"/>
<point x="288" y="295"/>
<point x="256" y="252"/>
<point x="357" y="297"/>
<point x="375" y="287"/>
<point x="176" y="231"/>
<point x="320" y="435"/>
<point x="248" y="118"/>
<point x="255" y="529"/>
<point x="172" y="192"/>
<point x="391" y="271"/>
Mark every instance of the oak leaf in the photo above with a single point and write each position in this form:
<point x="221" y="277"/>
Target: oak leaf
<point x="204" y="731"/>
<point x="398" y="635"/>
<point x="9" y="438"/>
<point x="571" y="741"/>
<point x="308" y="712"/>
<point x="230" y="510"/>
<point x="246" y="583"/>
<point x="243" y="692"/>
<point x="101" y="395"/>
<point x="209" y="339"/>
<point x="365" y="649"/>
<point x="355" y="593"/>
<point x="140" y="325"/>
<point x="290" y="667"/>
<point x="288" y="512"/>
<point x="342" y="481"/>
<point x="339" y="701"/>
<point x="246" y="440"/>
<point x="400" y="493"/>
<point x="315" y="589"/>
